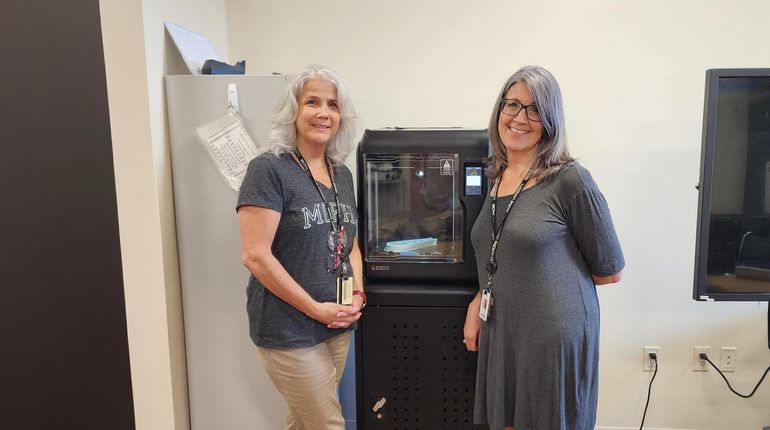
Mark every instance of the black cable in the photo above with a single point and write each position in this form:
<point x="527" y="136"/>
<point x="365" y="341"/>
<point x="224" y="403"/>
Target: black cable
<point x="654" y="358"/>
<point x="704" y="356"/>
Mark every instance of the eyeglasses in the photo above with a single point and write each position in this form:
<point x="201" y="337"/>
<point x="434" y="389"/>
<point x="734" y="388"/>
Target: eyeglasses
<point x="336" y="242"/>
<point x="513" y="107"/>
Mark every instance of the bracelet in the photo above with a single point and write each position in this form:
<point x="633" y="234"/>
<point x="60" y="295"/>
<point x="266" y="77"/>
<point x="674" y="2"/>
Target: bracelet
<point x="362" y="294"/>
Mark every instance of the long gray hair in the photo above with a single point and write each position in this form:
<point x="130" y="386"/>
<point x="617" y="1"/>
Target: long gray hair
<point x="552" y="153"/>
<point x="283" y="134"/>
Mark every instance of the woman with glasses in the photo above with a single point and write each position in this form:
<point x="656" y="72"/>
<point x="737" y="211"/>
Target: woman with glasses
<point x="297" y="216"/>
<point x="543" y="240"/>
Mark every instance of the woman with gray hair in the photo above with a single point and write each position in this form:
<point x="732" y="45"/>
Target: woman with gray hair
<point x="543" y="240"/>
<point x="297" y="216"/>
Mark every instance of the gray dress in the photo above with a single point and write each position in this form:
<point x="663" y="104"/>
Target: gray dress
<point x="539" y="348"/>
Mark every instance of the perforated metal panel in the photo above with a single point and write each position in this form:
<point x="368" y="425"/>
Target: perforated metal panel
<point x="415" y="371"/>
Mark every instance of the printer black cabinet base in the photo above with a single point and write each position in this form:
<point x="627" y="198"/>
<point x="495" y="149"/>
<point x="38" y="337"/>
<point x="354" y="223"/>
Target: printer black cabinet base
<point x="414" y="371"/>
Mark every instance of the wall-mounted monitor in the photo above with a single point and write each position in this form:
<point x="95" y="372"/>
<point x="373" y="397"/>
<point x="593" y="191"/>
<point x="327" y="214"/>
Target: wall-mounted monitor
<point x="732" y="257"/>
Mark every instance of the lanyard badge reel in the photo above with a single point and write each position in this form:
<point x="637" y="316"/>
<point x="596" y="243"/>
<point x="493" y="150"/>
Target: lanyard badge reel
<point x="228" y="143"/>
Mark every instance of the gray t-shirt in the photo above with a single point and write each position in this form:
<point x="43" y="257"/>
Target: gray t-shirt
<point x="300" y="245"/>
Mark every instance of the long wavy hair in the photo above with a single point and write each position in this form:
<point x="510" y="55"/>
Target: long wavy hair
<point x="283" y="134"/>
<point x="552" y="153"/>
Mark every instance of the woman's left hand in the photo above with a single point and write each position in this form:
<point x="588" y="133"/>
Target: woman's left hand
<point x="347" y="316"/>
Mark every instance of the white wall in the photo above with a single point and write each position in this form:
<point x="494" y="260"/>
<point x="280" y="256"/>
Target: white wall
<point x="632" y="73"/>
<point x="136" y="58"/>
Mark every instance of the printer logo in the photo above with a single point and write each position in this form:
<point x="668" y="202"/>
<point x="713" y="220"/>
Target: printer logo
<point x="377" y="268"/>
<point x="447" y="167"/>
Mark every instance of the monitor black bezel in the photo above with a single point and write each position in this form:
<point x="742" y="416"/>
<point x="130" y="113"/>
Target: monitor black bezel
<point x="705" y="185"/>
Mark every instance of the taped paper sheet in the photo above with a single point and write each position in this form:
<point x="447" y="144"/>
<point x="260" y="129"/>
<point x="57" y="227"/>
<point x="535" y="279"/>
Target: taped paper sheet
<point x="230" y="147"/>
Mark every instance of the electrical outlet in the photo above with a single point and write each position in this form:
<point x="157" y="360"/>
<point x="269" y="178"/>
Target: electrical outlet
<point x="698" y="364"/>
<point x="648" y="364"/>
<point x="728" y="358"/>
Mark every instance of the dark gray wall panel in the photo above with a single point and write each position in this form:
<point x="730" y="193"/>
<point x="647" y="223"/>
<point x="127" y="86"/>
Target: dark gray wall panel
<point x="64" y="355"/>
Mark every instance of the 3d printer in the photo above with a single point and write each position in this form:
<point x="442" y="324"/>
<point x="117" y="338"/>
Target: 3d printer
<point x="420" y="192"/>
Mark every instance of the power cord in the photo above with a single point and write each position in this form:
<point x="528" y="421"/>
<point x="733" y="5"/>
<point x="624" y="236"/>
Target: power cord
<point x="704" y="356"/>
<point x="654" y="358"/>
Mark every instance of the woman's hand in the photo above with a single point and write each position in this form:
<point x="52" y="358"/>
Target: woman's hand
<point x="472" y="324"/>
<point x="334" y="315"/>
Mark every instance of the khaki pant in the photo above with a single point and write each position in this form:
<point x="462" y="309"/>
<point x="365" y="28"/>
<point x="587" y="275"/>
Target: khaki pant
<point x="308" y="379"/>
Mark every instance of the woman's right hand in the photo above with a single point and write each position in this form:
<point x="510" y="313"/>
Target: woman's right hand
<point x="334" y="315"/>
<point x="472" y="326"/>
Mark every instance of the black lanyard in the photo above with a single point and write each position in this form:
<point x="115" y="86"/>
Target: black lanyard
<point x="335" y="227"/>
<point x="303" y="163"/>
<point x="492" y="263"/>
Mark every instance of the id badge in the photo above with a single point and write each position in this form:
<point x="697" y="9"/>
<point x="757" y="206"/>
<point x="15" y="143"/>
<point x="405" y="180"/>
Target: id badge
<point x="345" y="290"/>
<point x="486" y="303"/>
